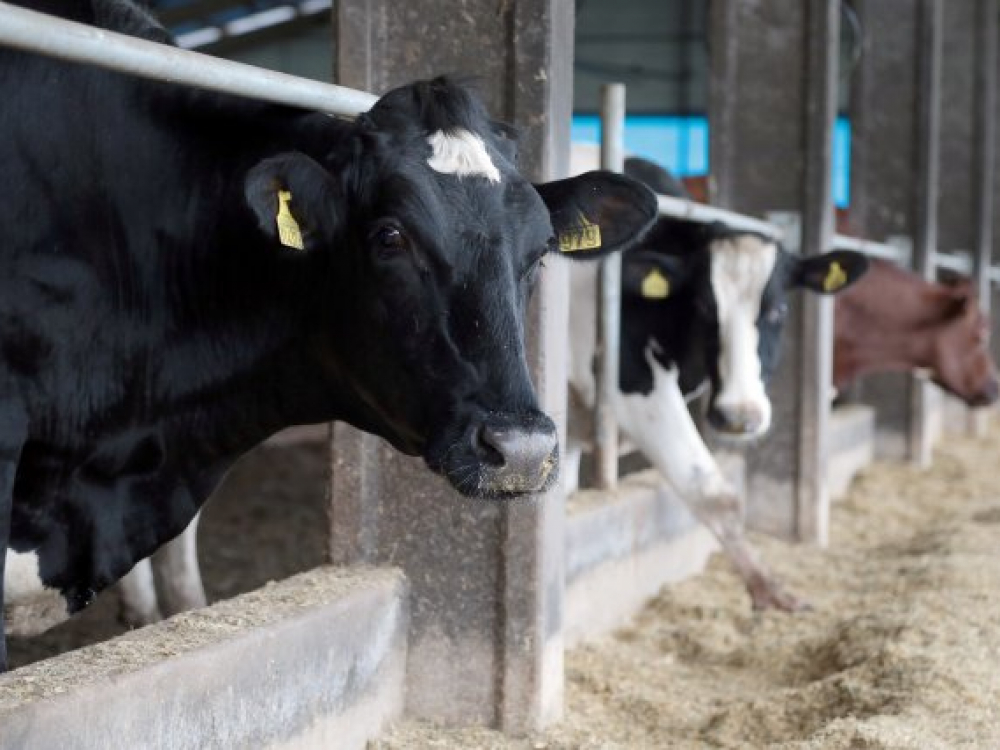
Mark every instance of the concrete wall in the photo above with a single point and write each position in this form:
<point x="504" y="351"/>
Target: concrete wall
<point x="315" y="661"/>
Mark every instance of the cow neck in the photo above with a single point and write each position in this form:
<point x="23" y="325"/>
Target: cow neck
<point x="255" y="314"/>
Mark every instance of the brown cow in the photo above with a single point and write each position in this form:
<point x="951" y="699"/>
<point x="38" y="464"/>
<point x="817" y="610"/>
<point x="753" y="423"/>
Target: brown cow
<point x="894" y="321"/>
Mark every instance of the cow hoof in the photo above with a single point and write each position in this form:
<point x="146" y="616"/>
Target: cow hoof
<point x="773" y="596"/>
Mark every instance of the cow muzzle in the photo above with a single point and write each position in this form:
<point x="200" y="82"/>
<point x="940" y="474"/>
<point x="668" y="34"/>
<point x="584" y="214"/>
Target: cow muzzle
<point x="522" y="460"/>
<point x="502" y="456"/>
<point x="745" y="420"/>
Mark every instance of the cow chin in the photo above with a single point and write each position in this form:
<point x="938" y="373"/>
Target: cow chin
<point x="739" y="426"/>
<point x="501" y="457"/>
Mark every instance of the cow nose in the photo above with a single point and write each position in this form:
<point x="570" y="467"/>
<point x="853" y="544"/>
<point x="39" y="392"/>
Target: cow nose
<point x="988" y="395"/>
<point x="524" y="458"/>
<point x="740" y="419"/>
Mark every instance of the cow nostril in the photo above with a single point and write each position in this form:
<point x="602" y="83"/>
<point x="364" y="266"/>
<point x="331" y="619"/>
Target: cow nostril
<point x="488" y="445"/>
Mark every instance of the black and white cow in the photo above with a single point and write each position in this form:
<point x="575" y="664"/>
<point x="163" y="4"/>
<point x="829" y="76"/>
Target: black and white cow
<point x="183" y="274"/>
<point x="702" y="307"/>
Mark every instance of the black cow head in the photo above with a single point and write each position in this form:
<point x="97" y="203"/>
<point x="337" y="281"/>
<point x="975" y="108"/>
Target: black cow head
<point x="716" y="301"/>
<point x="434" y="241"/>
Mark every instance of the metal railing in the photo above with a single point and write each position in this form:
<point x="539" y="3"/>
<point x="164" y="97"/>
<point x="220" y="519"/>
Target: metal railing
<point x="958" y="261"/>
<point x="680" y="208"/>
<point x="31" y="31"/>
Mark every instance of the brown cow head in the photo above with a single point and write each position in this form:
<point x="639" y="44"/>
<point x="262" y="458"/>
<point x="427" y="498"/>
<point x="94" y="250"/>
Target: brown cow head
<point x="962" y="362"/>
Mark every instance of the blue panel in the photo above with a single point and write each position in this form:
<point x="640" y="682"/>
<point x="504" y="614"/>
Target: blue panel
<point x="678" y="143"/>
<point x="842" y="163"/>
<point x="681" y="145"/>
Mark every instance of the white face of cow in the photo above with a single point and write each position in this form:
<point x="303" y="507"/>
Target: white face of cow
<point x="741" y="267"/>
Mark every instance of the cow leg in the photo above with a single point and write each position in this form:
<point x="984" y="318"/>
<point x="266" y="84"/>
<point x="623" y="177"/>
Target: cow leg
<point x="137" y="596"/>
<point x="176" y="572"/>
<point x="13" y="429"/>
<point x="661" y="426"/>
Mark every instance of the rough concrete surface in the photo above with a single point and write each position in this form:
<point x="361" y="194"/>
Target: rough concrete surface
<point x="314" y="661"/>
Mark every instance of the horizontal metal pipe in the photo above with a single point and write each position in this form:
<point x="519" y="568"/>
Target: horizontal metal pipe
<point x="32" y="31"/>
<point x="958" y="262"/>
<point x="868" y="247"/>
<point x="680" y="208"/>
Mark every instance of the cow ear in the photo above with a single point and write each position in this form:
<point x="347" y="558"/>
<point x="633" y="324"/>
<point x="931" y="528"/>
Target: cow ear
<point x="294" y="200"/>
<point x="831" y="272"/>
<point x="598" y="213"/>
<point x="652" y="276"/>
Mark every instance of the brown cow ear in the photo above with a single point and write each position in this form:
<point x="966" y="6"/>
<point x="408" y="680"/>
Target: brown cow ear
<point x="831" y="272"/>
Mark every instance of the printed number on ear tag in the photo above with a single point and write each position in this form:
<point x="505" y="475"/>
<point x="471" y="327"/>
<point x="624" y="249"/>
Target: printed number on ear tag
<point x="289" y="233"/>
<point x="585" y="237"/>
<point x="655" y="285"/>
<point x="835" y="278"/>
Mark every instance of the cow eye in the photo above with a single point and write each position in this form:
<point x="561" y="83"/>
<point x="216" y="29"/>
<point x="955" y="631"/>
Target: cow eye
<point x="390" y="239"/>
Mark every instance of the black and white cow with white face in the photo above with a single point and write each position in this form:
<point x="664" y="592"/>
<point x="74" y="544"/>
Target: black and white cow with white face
<point x="182" y="274"/>
<point x="702" y="307"/>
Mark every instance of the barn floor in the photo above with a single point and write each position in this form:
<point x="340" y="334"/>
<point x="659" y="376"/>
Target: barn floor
<point x="902" y="649"/>
<point x="266" y="522"/>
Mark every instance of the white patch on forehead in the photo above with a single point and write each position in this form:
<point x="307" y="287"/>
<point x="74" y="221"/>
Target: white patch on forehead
<point x="30" y="607"/>
<point x="461" y="153"/>
<point x="741" y="268"/>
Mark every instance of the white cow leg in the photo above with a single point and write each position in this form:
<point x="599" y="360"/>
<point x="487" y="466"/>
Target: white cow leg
<point x="176" y="572"/>
<point x="661" y="427"/>
<point x="722" y="514"/>
<point x="137" y="596"/>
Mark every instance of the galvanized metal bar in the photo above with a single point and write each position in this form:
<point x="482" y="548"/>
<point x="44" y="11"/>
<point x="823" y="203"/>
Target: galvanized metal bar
<point x="679" y="208"/>
<point x="958" y="261"/>
<point x="43" y="34"/>
<point x="609" y="302"/>
<point x="925" y="238"/>
<point x="816" y="346"/>
<point x="985" y="146"/>
<point x="886" y="251"/>
<point x="984" y="149"/>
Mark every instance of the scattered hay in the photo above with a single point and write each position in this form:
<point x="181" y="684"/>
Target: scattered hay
<point x="902" y="649"/>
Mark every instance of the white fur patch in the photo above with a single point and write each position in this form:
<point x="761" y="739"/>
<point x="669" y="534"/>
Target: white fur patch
<point x="461" y="153"/>
<point x="741" y="267"/>
<point x="660" y="425"/>
<point x="30" y="607"/>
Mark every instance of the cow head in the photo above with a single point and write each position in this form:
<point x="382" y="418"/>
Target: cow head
<point x="729" y="290"/>
<point x="432" y="241"/>
<point x="961" y="360"/>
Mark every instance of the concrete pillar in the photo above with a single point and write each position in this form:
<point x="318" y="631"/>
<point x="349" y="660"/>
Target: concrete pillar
<point x="885" y="106"/>
<point x="773" y="102"/>
<point x="487" y="580"/>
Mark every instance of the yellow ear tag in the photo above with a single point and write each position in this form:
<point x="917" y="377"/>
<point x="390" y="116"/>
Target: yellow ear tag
<point x="835" y="278"/>
<point x="289" y="233"/>
<point x="585" y="237"/>
<point x="655" y="285"/>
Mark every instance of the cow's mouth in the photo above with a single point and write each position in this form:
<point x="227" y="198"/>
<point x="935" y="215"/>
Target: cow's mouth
<point x="740" y="425"/>
<point x="500" y="457"/>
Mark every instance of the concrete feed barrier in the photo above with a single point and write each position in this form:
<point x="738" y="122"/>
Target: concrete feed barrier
<point x="317" y="660"/>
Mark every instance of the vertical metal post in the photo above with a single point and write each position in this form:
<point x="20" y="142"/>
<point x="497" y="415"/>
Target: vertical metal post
<point x="926" y="211"/>
<point x="985" y="161"/>
<point x="609" y="301"/>
<point x="813" y="500"/>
